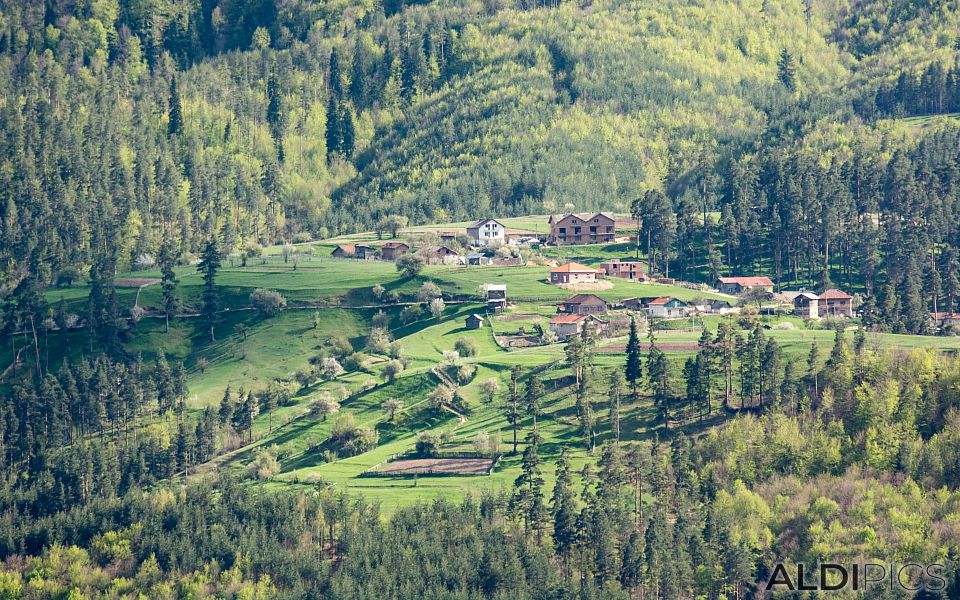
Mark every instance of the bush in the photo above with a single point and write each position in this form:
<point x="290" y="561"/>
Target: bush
<point x="265" y="465"/>
<point x="428" y="291"/>
<point x="428" y="444"/>
<point x="465" y="348"/>
<point x="436" y="307"/>
<point x="391" y="370"/>
<point x="67" y="276"/>
<point x="340" y="346"/>
<point x="391" y="407"/>
<point x="332" y="368"/>
<point x="410" y="314"/>
<point x="465" y="374"/>
<point x="410" y="265"/>
<point x="379" y="341"/>
<point x="324" y="406"/>
<point x="268" y="302"/>
<point x="363" y="439"/>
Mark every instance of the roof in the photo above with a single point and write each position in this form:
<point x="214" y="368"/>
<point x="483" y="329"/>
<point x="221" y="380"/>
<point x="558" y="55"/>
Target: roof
<point x="496" y="287"/>
<point x="716" y="302"/>
<point x="807" y="295"/>
<point x="747" y="281"/>
<point x="364" y="246"/>
<point x="584" y="298"/>
<point x="659" y="301"/>
<point x="475" y="316"/>
<point x="573" y="267"/>
<point x="476" y="255"/>
<point x="835" y="294"/>
<point x="482" y="221"/>
<point x="568" y="319"/>
<point x="395" y="245"/>
<point x="349" y="248"/>
<point x="945" y="315"/>
<point x="586" y="216"/>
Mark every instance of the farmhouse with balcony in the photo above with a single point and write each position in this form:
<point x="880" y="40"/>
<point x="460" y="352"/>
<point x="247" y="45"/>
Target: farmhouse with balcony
<point x="572" y="273"/>
<point x="738" y="285"/>
<point x="835" y="303"/>
<point x="831" y="303"/>
<point x="582" y="228"/>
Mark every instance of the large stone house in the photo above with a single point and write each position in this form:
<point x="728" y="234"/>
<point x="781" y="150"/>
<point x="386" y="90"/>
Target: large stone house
<point x="738" y="285"/>
<point x="487" y="231"/>
<point x="582" y="228"/>
<point x="624" y="268"/>
<point x="572" y="273"/>
<point x="584" y="304"/>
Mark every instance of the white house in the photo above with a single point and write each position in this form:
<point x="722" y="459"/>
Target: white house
<point x="666" y="308"/>
<point x="487" y="231"/>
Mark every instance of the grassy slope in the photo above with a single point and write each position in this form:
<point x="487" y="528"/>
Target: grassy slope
<point x="277" y="347"/>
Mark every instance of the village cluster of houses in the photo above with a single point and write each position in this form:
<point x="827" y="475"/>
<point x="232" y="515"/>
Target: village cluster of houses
<point x="570" y="228"/>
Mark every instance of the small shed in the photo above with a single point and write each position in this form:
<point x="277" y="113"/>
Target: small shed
<point x="474" y="321"/>
<point x="479" y="259"/>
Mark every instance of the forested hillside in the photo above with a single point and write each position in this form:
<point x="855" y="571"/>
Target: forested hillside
<point x="195" y="397"/>
<point x="268" y="119"/>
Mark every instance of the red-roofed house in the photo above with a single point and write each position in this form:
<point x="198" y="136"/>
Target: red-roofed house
<point x="944" y="319"/>
<point x="737" y="285"/>
<point x="835" y="302"/>
<point x="344" y="251"/>
<point x="573" y="273"/>
<point x="567" y="325"/>
<point x="666" y="308"/>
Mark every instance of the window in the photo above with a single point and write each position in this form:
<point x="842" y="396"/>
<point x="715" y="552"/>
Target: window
<point x="563" y="230"/>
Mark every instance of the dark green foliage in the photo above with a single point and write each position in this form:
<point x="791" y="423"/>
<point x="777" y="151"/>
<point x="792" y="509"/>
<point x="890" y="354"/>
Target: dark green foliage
<point x="208" y="266"/>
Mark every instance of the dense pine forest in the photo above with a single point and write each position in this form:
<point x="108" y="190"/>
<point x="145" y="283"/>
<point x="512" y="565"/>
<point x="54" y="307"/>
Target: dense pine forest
<point x="812" y="141"/>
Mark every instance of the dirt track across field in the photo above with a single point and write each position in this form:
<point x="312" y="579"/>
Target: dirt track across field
<point x="135" y="282"/>
<point x="427" y="466"/>
<point x="664" y="346"/>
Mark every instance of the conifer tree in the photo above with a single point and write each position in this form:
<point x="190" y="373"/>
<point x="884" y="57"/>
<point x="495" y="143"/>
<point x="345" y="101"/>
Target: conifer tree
<point x="168" y="279"/>
<point x="634" y="368"/>
<point x="564" y="511"/>
<point x="175" y="122"/>
<point x="786" y="70"/>
<point x="529" y="489"/>
<point x="208" y="266"/>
